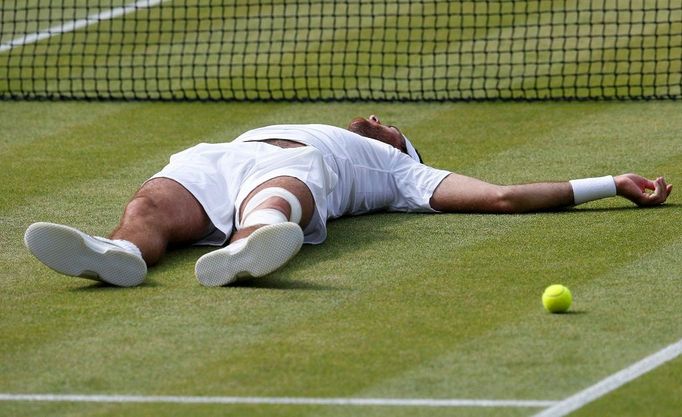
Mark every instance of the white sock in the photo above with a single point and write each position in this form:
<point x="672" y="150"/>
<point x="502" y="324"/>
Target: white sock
<point x="130" y="246"/>
<point x="123" y="244"/>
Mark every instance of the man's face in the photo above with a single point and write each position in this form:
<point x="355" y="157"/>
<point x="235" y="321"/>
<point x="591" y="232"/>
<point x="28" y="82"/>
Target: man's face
<point x="371" y="127"/>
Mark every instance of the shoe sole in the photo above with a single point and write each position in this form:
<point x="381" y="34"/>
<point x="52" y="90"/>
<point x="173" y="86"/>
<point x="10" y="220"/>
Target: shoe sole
<point x="266" y="249"/>
<point x="69" y="252"/>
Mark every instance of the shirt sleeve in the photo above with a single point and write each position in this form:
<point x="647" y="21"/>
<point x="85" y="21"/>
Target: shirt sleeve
<point x="415" y="183"/>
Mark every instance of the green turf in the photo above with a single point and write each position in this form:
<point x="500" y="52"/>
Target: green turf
<point x="391" y="306"/>
<point x="642" y="397"/>
<point x="323" y="50"/>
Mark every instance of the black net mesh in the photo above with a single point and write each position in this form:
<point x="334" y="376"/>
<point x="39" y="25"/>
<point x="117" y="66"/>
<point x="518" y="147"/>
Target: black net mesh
<point x="341" y="50"/>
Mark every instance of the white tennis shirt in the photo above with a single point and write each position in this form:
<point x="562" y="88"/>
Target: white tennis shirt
<point x="371" y="175"/>
<point x="347" y="174"/>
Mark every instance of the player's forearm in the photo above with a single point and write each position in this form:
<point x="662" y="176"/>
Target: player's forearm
<point x="542" y="196"/>
<point x="462" y="194"/>
<point x="535" y="197"/>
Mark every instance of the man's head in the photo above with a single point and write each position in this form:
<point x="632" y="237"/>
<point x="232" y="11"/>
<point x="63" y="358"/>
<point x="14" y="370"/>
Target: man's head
<point x="372" y="127"/>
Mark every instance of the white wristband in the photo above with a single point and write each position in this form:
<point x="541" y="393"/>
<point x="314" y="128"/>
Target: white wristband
<point x="589" y="189"/>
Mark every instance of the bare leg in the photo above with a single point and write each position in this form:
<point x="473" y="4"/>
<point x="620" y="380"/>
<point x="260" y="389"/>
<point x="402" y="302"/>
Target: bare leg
<point x="162" y="212"/>
<point x="291" y="184"/>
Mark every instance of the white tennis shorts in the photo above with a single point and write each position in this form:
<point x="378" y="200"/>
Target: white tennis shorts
<point x="221" y="175"/>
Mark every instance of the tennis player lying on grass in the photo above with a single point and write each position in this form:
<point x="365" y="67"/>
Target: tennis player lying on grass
<point x="274" y="188"/>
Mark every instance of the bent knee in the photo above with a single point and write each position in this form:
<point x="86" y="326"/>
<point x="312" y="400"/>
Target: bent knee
<point x="168" y="204"/>
<point x="143" y="205"/>
<point x="298" y="189"/>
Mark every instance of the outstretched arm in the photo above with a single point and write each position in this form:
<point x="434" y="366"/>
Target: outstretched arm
<point x="459" y="193"/>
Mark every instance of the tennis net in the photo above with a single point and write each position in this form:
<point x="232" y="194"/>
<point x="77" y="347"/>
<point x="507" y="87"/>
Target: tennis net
<point x="307" y="50"/>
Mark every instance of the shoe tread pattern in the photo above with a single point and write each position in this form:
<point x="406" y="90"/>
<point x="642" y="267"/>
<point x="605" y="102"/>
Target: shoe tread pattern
<point x="266" y="250"/>
<point x="66" y="250"/>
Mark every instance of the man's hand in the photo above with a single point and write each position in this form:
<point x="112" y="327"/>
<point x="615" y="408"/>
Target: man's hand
<point x="642" y="191"/>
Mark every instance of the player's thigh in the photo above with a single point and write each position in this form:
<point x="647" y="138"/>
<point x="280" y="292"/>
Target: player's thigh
<point x="174" y="208"/>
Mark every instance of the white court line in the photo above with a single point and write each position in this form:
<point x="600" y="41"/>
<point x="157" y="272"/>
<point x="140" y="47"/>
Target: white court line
<point x="552" y="408"/>
<point x="603" y="387"/>
<point x="78" y="24"/>
<point x="396" y="402"/>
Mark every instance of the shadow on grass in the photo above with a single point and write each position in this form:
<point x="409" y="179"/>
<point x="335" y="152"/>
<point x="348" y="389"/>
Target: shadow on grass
<point x="103" y="286"/>
<point x="667" y="206"/>
<point x="349" y="235"/>
<point x="184" y="258"/>
<point x="272" y="282"/>
<point x="577" y="312"/>
<point x="574" y="211"/>
<point x="570" y="313"/>
<point x="352" y="235"/>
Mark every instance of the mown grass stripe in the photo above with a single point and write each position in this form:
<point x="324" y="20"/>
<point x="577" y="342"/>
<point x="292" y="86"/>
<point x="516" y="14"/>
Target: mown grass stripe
<point x="455" y="315"/>
<point x="393" y="402"/>
<point x="613" y="382"/>
<point x="74" y="25"/>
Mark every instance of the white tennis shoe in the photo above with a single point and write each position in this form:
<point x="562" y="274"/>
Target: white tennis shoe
<point x="262" y="252"/>
<point x="72" y="252"/>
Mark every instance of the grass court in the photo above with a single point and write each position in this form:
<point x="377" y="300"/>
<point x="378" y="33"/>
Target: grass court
<point x="395" y="314"/>
<point x="392" y="306"/>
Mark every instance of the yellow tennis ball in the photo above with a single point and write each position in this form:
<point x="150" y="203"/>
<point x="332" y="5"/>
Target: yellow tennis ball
<point x="557" y="298"/>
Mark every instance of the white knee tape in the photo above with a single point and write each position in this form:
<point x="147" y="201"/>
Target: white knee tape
<point x="270" y="216"/>
<point x="263" y="216"/>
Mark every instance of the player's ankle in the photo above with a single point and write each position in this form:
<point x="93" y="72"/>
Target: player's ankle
<point x="244" y="233"/>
